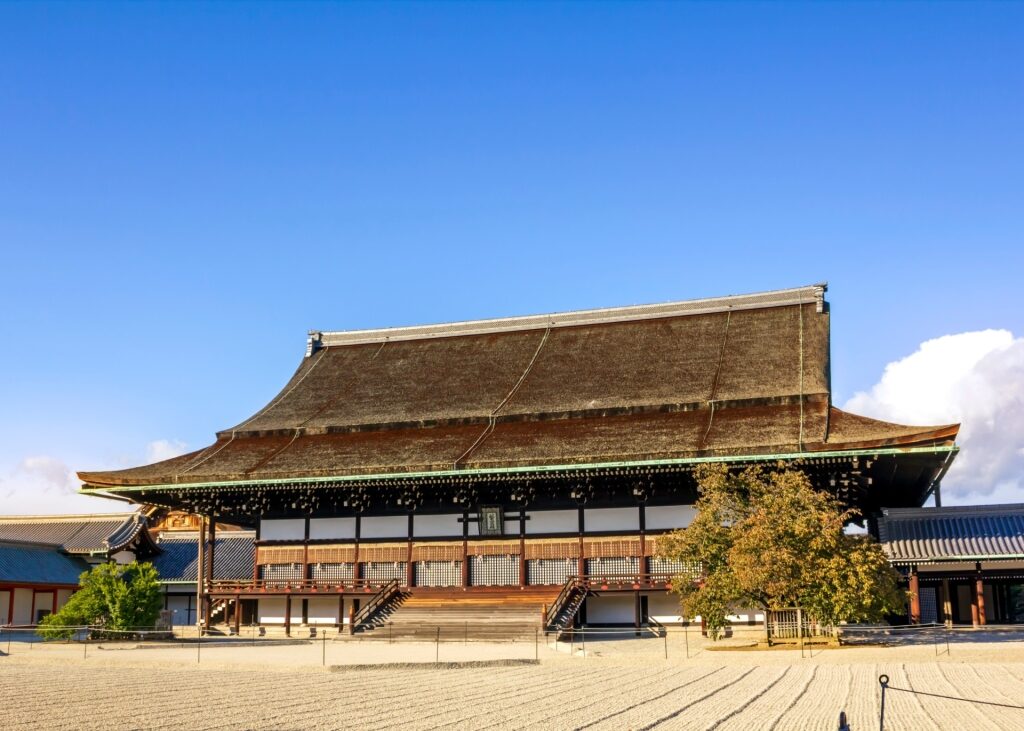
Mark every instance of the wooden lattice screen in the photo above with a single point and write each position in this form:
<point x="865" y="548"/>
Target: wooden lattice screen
<point x="279" y="554"/>
<point x="332" y="554"/>
<point x="611" y="547"/>
<point x="552" y="549"/>
<point x="437" y="552"/>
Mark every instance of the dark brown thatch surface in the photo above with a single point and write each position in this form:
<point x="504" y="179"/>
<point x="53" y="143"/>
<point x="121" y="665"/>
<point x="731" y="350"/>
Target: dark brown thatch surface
<point x="716" y="381"/>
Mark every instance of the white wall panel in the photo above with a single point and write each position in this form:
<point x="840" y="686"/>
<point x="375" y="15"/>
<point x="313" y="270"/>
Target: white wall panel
<point x="391" y="526"/>
<point x="552" y="521"/>
<point x="44" y="600"/>
<point x="664" y="608"/>
<point x="289" y="529"/>
<point x="611" y="609"/>
<point x="322" y="610"/>
<point x="22" y="606"/>
<point x="431" y="526"/>
<point x="62" y="597"/>
<point x="669" y="517"/>
<point x="271" y="610"/>
<point x="332" y="528"/>
<point x="603" y="519"/>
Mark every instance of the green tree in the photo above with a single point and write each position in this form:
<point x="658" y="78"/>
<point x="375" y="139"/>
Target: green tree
<point x="111" y="597"/>
<point x="768" y="539"/>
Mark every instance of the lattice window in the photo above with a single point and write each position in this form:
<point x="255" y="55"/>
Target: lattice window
<point x="614" y="566"/>
<point x="494" y="570"/>
<point x="384" y="570"/>
<point x="542" y="571"/>
<point x="281" y="572"/>
<point x="438" y="573"/>
<point x="665" y="566"/>
<point x="327" y="573"/>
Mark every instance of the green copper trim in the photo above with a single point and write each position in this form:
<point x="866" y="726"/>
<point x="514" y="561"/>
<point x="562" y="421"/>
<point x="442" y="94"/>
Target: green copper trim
<point x="390" y="476"/>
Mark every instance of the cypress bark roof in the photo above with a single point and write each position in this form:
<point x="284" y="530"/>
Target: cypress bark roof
<point x="746" y="374"/>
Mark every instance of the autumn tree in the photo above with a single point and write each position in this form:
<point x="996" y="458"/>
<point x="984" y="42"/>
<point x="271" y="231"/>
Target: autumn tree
<point x="111" y="597"/>
<point x="767" y="539"/>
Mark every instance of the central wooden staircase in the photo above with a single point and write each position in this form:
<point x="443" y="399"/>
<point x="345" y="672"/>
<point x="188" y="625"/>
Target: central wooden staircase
<point x="429" y="614"/>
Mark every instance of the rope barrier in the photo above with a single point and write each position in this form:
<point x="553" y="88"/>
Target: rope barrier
<point x="955" y="698"/>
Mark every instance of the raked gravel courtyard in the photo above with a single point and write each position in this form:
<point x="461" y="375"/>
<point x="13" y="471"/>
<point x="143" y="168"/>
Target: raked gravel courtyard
<point x="617" y="686"/>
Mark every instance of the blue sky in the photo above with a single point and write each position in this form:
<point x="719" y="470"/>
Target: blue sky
<point x="185" y="189"/>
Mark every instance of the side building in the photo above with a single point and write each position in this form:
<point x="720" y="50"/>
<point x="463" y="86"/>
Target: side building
<point x="533" y="458"/>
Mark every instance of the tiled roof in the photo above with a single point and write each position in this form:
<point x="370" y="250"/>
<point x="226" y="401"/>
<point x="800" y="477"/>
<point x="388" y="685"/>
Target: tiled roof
<point x="746" y="374"/>
<point x="967" y="533"/>
<point x="36" y="563"/>
<point x="75" y="533"/>
<point x="233" y="556"/>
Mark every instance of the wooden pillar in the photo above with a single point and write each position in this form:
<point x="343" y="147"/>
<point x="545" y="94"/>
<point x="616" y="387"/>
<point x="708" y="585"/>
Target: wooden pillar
<point x="357" y="571"/>
<point x="305" y="553"/>
<point x="410" y="568"/>
<point x="979" y="591"/>
<point x="10" y="607"/>
<point x="522" y="546"/>
<point x="642" y="567"/>
<point x="54" y="610"/>
<point x="465" y="549"/>
<point x="341" y="611"/>
<point x="209" y="570"/>
<point x="947" y="603"/>
<point x="200" y="570"/>
<point x="581" y="561"/>
<point x="238" y="614"/>
<point x="256" y="556"/>
<point x="637" y="613"/>
<point x="915" y="597"/>
<point x="288" y="615"/>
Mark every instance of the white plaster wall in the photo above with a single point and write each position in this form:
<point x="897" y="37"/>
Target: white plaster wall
<point x="22" y="606"/>
<point x="62" y="597"/>
<point x="123" y="557"/>
<point x="179" y="606"/>
<point x="512" y="527"/>
<point x="611" y="519"/>
<point x="271" y="610"/>
<point x="552" y="521"/>
<point x="745" y="615"/>
<point x="332" y="528"/>
<point x="5" y="606"/>
<point x="283" y="529"/>
<point x="44" y="600"/>
<point x="669" y="517"/>
<point x="664" y="608"/>
<point x="426" y="526"/>
<point x="390" y="526"/>
<point x="611" y="609"/>
<point x="323" y="610"/>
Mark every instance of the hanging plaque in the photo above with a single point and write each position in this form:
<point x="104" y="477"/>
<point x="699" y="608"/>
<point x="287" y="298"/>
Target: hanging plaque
<point x="491" y="520"/>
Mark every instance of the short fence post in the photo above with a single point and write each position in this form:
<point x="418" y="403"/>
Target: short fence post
<point x="85" y="645"/>
<point x="686" y="638"/>
<point x="583" y="635"/>
<point x="843" y="725"/>
<point x="883" y="680"/>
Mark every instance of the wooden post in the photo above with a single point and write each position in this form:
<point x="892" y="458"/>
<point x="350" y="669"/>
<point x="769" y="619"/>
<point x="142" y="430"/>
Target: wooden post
<point x="979" y="590"/>
<point x="200" y="571"/>
<point x="915" y="597"/>
<point x="352" y="618"/>
<point x="637" y="614"/>
<point x="522" y="546"/>
<point x="581" y="561"/>
<point x="288" y="615"/>
<point x="641" y="563"/>
<point x="305" y="553"/>
<point x="410" y="569"/>
<point x="465" y="549"/>
<point x="947" y="603"/>
<point x="341" y="611"/>
<point x="238" y="615"/>
<point x="54" y="610"/>
<point x="208" y="568"/>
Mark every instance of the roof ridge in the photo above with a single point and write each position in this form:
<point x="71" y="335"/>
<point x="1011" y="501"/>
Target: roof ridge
<point x="814" y="293"/>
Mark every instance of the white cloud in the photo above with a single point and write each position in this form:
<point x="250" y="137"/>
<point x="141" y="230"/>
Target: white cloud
<point x="44" y="484"/>
<point x="977" y="379"/>
<point x="163" y="449"/>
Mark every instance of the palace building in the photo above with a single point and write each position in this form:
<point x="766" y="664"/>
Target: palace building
<point x="531" y="460"/>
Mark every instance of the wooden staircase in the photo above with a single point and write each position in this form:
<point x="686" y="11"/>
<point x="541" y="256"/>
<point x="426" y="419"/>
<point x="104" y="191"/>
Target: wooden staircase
<point x="460" y="616"/>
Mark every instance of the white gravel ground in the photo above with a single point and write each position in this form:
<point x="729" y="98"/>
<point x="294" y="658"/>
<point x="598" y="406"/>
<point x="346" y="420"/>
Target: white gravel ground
<point x="622" y="685"/>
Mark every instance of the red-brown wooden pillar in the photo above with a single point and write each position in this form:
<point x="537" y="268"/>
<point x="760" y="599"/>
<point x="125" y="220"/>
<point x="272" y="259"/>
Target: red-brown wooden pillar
<point x="915" y="597"/>
<point x="305" y="554"/>
<point x="522" y="547"/>
<point x="238" y="614"/>
<point x="979" y="591"/>
<point x="581" y="560"/>
<point x="54" y="611"/>
<point x="288" y="615"/>
<point x="410" y="567"/>
<point x="208" y="568"/>
<point x="201" y="571"/>
<point x="465" y="549"/>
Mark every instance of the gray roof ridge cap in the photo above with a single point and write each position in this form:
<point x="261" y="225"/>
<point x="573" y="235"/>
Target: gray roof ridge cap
<point x="755" y="300"/>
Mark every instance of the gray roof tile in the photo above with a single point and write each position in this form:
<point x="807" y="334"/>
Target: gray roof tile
<point x="953" y="534"/>
<point x="33" y="563"/>
<point x="177" y="561"/>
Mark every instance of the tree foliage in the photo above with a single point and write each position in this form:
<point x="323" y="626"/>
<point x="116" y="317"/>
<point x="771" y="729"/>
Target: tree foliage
<point x="768" y="539"/>
<point x="111" y="597"/>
